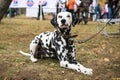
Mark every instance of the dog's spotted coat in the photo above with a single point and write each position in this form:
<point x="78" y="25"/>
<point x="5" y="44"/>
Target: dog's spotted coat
<point x="57" y="44"/>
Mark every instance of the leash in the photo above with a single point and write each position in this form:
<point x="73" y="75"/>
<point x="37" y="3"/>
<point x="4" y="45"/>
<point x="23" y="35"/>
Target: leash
<point x="83" y="41"/>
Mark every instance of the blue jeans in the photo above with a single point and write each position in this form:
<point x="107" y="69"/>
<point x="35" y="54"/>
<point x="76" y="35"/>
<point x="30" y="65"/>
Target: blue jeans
<point x="96" y="12"/>
<point x="109" y="12"/>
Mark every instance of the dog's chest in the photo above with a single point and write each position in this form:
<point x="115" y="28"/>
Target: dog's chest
<point x="50" y="41"/>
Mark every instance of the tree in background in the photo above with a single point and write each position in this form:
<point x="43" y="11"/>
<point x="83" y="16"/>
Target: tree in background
<point x="4" y="5"/>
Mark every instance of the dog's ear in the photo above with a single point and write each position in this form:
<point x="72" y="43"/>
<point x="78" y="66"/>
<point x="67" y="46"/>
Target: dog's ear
<point x="54" y="21"/>
<point x="74" y="21"/>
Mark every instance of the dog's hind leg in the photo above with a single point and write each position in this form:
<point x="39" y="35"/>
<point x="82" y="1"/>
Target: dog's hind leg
<point x="33" y="59"/>
<point x="33" y="48"/>
<point x="32" y="52"/>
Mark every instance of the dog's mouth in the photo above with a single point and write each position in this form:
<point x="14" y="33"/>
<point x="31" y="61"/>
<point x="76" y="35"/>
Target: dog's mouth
<point x="65" y="26"/>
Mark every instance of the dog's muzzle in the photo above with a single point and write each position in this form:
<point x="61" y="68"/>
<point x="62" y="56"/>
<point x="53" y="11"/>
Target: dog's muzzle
<point x="64" y="25"/>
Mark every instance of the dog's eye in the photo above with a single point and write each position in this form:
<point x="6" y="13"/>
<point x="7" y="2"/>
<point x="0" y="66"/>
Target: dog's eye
<point x="68" y="16"/>
<point x="59" y="16"/>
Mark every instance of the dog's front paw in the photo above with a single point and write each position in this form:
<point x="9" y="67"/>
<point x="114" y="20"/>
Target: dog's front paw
<point x="87" y="71"/>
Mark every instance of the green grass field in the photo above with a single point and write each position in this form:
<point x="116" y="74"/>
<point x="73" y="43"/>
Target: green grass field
<point x="101" y="53"/>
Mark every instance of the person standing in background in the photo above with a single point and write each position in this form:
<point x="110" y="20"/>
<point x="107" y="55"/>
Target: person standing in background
<point x="77" y="9"/>
<point x="84" y="10"/>
<point x="95" y="5"/>
<point x="61" y="6"/>
<point x="110" y="4"/>
<point x="70" y="5"/>
<point x="114" y="6"/>
<point x="105" y="11"/>
<point x="40" y="6"/>
<point x="91" y="11"/>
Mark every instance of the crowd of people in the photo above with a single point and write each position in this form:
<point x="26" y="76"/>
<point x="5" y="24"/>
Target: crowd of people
<point x="87" y="9"/>
<point x="92" y="7"/>
<point x="109" y="8"/>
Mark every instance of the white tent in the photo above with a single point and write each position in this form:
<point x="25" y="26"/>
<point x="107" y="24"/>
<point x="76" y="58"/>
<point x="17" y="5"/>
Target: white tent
<point x="32" y="6"/>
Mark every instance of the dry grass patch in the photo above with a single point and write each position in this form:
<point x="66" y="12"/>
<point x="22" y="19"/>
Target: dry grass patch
<point x="101" y="53"/>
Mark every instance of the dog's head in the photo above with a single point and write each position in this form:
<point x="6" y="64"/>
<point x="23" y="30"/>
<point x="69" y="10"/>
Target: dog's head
<point x="63" y="20"/>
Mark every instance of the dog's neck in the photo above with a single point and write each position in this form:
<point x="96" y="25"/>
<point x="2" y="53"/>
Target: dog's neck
<point x="65" y="33"/>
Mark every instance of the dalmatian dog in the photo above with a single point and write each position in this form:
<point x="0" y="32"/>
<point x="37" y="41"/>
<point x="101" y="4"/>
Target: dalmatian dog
<point x="58" y="43"/>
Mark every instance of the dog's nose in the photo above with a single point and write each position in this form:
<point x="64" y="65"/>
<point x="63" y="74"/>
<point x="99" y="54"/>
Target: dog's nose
<point x="63" y="21"/>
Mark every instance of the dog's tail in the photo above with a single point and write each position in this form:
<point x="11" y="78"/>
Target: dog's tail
<point x="26" y="54"/>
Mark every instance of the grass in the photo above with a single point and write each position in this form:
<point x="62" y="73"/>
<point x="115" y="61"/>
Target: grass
<point x="102" y="54"/>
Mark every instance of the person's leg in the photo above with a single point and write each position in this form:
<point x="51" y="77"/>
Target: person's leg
<point x="43" y="14"/>
<point x="109" y="12"/>
<point x="38" y="13"/>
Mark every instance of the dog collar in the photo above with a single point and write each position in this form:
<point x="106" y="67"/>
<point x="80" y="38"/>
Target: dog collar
<point x="66" y="36"/>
